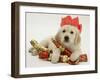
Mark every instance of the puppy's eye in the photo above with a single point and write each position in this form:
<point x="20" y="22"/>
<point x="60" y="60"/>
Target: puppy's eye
<point x="64" y="31"/>
<point x="71" y="32"/>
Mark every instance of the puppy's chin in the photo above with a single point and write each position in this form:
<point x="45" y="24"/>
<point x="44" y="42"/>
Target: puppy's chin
<point x="65" y="44"/>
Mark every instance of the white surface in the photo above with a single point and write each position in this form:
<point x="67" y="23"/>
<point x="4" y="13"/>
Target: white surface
<point x="40" y="26"/>
<point x="5" y="42"/>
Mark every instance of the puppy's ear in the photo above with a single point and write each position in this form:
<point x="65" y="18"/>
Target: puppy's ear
<point x="77" y="39"/>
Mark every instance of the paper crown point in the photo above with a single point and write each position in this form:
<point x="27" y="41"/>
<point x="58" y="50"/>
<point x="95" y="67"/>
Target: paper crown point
<point x="69" y="21"/>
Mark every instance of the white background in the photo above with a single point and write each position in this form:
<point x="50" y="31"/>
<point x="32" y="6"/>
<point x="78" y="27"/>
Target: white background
<point x="40" y="26"/>
<point x="5" y="41"/>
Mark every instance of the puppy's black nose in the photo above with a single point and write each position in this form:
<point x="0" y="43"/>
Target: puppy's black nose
<point x="66" y="38"/>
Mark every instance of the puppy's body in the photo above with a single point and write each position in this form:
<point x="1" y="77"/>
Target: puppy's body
<point x="69" y="37"/>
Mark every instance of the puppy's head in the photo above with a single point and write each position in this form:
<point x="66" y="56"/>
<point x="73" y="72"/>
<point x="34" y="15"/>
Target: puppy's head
<point x="68" y="36"/>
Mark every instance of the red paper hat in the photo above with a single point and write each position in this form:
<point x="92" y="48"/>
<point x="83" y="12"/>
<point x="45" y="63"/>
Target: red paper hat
<point x="69" y="21"/>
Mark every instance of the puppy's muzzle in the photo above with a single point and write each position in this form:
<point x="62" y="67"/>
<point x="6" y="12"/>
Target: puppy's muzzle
<point x="66" y="39"/>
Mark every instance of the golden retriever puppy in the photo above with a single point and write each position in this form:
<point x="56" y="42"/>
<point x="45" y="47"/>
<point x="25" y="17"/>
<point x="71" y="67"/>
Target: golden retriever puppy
<point x="69" y="37"/>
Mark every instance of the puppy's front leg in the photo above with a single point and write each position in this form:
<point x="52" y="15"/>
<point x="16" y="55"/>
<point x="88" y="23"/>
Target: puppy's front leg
<point x="55" y="55"/>
<point x="55" y="52"/>
<point x="75" y="55"/>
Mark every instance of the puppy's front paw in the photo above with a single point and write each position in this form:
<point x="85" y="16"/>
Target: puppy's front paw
<point x="74" y="56"/>
<point x="54" y="59"/>
<point x="55" y="56"/>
